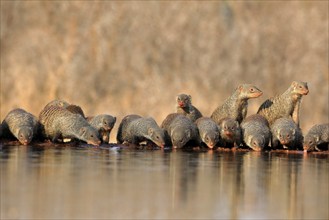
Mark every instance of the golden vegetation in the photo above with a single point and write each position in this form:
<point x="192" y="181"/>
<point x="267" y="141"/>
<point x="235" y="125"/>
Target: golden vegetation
<point x="135" y="57"/>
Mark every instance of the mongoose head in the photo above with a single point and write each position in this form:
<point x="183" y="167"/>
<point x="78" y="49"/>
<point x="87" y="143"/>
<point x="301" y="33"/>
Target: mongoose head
<point x="90" y="135"/>
<point x="157" y="136"/>
<point x="247" y="91"/>
<point x="108" y="122"/>
<point x="25" y="135"/>
<point x="310" y="142"/>
<point x="179" y="137"/>
<point x="256" y="142"/>
<point x="286" y="135"/>
<point x="210" y="139"/>
<point x="228" y="128"/>
<point x="299" y="88"/>
<point x="183" y="100"/>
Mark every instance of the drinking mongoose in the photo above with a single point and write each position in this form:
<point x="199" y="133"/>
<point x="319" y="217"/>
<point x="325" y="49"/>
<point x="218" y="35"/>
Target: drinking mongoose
<point x="286" y="134"/>
<point x="229" y="133"/>
<point x="21" y="124"/>
<point x="104" y="124"/>
<point x="208" y="131"/>
<point x="256" y="132"/>
<point x="317" y="136"/>
<point x="179" y="130"/>
<point x="286" y="104"/>
<point x="59" y="123"/>
<point x="184" y="106"/>
<point x="236" y="105"/>
<point x="135" y="129"/>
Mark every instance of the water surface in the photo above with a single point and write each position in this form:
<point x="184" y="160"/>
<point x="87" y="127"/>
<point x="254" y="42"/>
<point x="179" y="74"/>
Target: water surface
<point x="75" y="182"/>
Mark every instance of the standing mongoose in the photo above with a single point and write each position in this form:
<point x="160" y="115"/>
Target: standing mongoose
<point x="317" y="136"/>
<point x="256" y="132"/>
<point x="229" y="133"/>
<point x="59" y="123"/>
<point x="286" y="134"/>
<point x="236" y="105"/>
<point x="135" y="129"/>
<point x="208" y="131"/>
<point x="22" y="124"/>
<point x="184" y="106"/>
<point x="179" y="130"/>
<point x="104" y="124"/>
<point x="285" y="105"/>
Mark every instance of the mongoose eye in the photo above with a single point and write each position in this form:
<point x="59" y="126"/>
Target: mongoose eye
<point x="310" y="142"/>
<point x="251" y="90"/>
<point x="300" y="87"/>
<point x="91" y="135"/>
<point x="254" y="143"/>
<point x="288" y="136"/>
<point x="157" y="137"/>
<point x="105" y="122"/>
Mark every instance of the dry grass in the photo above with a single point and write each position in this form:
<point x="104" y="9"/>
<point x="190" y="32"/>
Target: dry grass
<point x="135" y="57"/>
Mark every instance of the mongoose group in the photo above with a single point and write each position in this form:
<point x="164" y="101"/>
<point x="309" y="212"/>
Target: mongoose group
<point x="274" y="126"/>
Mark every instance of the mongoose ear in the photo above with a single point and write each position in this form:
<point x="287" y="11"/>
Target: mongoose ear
<point x="317" y="138"/>
<point x="240" y="88"/>
<point x="190" y="97"/>
<point x="294" y="83"/>
<point x="293" y="131"/>
<point x="150" y="131"/>
<point x="83" y="130"/>
<point x="115" y="119"/>
<point x="188" y="133"/>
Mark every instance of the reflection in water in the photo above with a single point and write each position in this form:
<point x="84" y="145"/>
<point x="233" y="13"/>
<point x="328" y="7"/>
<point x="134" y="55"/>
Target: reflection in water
<point x="83" y="182"/>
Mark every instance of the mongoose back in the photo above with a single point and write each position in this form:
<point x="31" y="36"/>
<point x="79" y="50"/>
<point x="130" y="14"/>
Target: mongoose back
<point x="184" y="106"/>
<point x="208" y="131"/>
<point x="58" y="123"/>
<point x="179" y="130"/>
<point x="317" y="135"/>
<point x="256" y="132"/>
<point x="134" y="129"/>
<point x="104" y="124"/>
<point x="22" y="124"/>
<point x="285" y="105"/>
<point x="75" y="109"/>
<point x="59" y="103"/>
<point x="236" y="105"/>
<point x="286" y="134"/>
<point x="229" y="133"/>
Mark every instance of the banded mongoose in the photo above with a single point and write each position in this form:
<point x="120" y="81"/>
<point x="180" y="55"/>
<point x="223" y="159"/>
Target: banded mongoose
<point x="236" y="105"/>
<point x="22" y="124"/>
<point x="135" y="129"/>
<point x="59" y="123"/>
<point x="208" y="131"/>
<point x="229" y="133"/>
<point x="285" y="105"/>
<point x="75" y="109"/>
<point x="104" y="124"/>
<point x="184" y="106"/>
<point x="256" y="132"/>
<point x="317" y="136"/>
<point x="286" y="134"/>
<point x="179" y="130"/>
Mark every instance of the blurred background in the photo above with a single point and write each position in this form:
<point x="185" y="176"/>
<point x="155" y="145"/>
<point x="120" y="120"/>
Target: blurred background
<point x="135" y="57"/>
